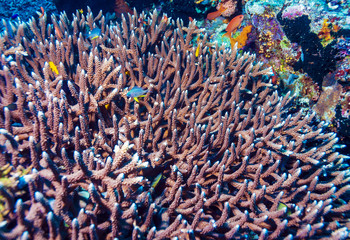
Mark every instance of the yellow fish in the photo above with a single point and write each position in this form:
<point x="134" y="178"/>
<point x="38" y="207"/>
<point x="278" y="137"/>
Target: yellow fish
<point x="198" y="46"/>
<point x="197" y="51"/>
<point x="156" y="181"/>
<point x="53" y="67"/>
<point x="94" y="33"/>
<point x="282" y="205"/>
<point x="136" y="92"/>
<point x="81" y="11"/>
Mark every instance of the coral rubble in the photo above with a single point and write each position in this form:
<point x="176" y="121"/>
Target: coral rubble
<point x="211" y="151"/>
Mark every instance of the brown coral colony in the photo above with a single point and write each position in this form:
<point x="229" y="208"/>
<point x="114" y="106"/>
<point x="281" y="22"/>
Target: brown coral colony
<point x="211" y="151"/>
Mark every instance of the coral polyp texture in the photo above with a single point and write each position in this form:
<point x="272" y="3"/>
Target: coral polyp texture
<point x="209" y="151"/>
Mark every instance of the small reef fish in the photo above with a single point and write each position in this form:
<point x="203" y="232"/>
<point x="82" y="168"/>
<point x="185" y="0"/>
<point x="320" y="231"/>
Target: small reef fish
<point x="198" y="47"/>
<point x="291" y="79"/>
<point x="156" y="181"/>
<point x="42" y="12"/>
<point x="142" y="21"/>
<point x="53" y="67"/>
<point x="81" y="11"/>
<point x="94" y="33"/>
<point x="191" y="20"/>
<point x="165" y="19"/>
<point x="233" y="25"/>
<point x="197" y="50"/>
<point x="274" y="78"/>
<point x="136" y="92"/>
<point x="58" y="32"/>
<point x="282" y="206"/>
<point x="213" y="15"/>
<point x="302" y="55"/>
<point x="14" y="16"/>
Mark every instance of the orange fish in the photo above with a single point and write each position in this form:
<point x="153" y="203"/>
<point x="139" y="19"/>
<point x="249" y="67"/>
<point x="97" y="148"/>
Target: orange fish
<point x="274" y="77"/>
<point x="58" y="32"/>
<point x="165" y="19"/>
<point x="42" y="12"/>
<point x="233" y="25"/>
<point x="191" y="20"/>
<point x="198" y="47"/>
<point x="142" y="21"/>
<point x="213" y="15"/>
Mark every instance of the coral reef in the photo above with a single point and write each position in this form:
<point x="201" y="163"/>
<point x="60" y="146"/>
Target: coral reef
<point x="121" y="7"/>
<point x="329" y="98"/>
<point x="10" y="10"/>
<point x="211" y="151"/>
<point x="229" y="6"/>
<point x="302" y="86"/>
<point x="318" y="60"/>
<point x="325" y="33"/>
<point x="269" y="34"/>
<point x="294" y="11"/>
<point x="342" y="72"/>
<point x="241" y="38"/>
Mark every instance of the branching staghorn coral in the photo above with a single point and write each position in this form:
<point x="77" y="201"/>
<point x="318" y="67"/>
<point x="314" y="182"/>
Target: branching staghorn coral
<point x="211" y="151"/>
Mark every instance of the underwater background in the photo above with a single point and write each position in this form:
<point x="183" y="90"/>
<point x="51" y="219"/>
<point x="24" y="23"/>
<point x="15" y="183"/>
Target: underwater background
<point x="198" y="119"/>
